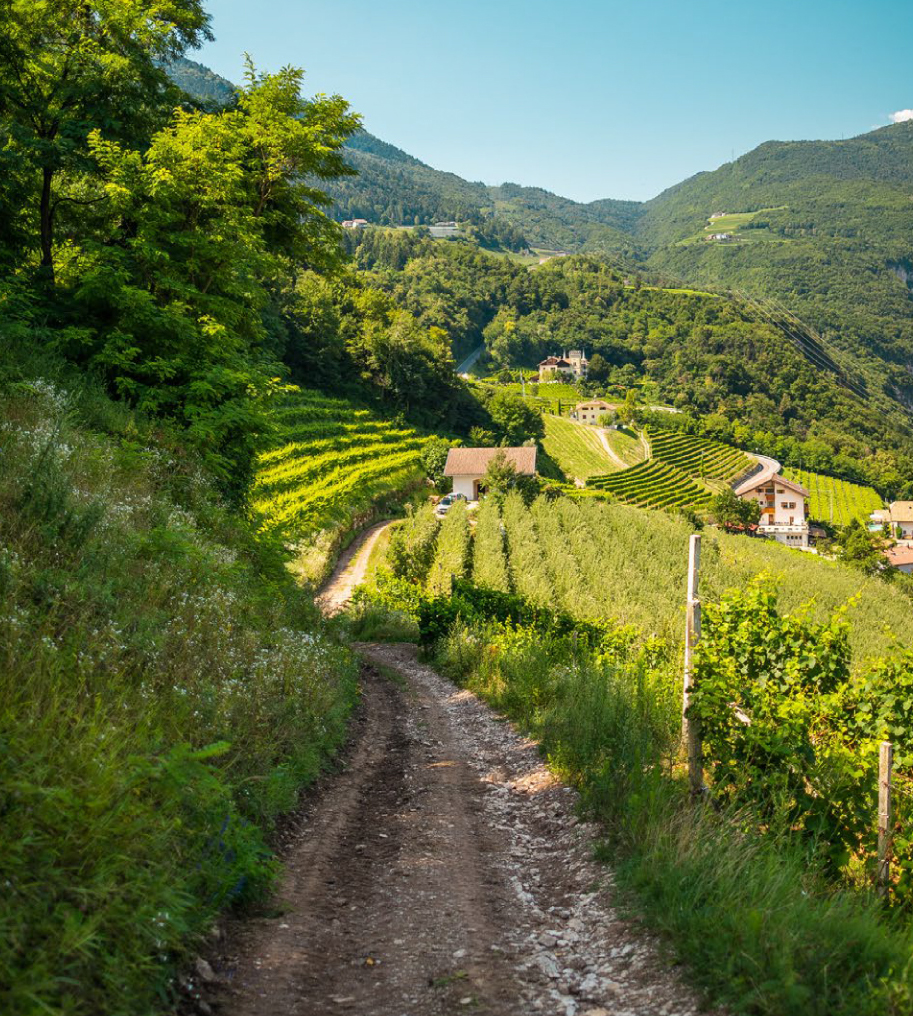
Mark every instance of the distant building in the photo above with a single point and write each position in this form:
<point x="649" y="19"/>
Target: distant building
<point x="443" y="230"/>
<point x="467" y="467"/>
<point x="901" y="558"/>
<point x="573" y="365"/>
<point x="784" y="509"/>
<point x="898" y="517"/>
<point x="355" y="224"/>
<point x="718" y="215"/>
<point x="590" y="412"/>
<point x="720" y="236"/>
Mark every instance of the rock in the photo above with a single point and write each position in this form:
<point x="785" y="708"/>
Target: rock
<point x="548" y="940"/>
<point x="204" y="970"/>
<point x="204" y="1007"/>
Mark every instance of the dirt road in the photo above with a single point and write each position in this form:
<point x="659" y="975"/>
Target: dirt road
<point x="444" y="871"/>
<point x="350" y="570"/>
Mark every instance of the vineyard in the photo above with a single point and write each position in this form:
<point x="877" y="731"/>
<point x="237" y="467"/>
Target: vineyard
<point x="652" y="484"/>
<point x="336" y="461"/>
<point x="604" y="560"/>
<point x="699" y="457"/>
<point x="578" y="449"/>
<point x="836" y="501"/>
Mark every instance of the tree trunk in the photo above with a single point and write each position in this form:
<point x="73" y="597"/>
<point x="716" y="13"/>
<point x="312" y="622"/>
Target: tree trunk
<point x="47" y="225"/>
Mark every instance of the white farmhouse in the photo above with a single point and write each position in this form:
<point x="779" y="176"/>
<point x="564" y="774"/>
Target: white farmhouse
<point x="591" y="412"/>
<point x="467" y="467"/>
<point x="784" y="512"/>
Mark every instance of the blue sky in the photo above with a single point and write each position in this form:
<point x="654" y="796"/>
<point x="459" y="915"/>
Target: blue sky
<point x="588" y="99"/>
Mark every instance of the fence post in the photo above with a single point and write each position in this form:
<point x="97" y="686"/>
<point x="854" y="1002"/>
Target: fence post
<point x="885" y="767"/>
<point x="691" y="733"/>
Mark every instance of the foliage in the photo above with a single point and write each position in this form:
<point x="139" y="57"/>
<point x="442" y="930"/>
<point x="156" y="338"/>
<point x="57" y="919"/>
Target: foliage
<point x="412" y="545"/>
<point x="515" y="421"/>
<point x="434" y="459"/>
<point x="452" y="555"/>
<point x="862" y="549"/>
<point x="165" y="691"/>
<point x="728" y="510"/>
<point x="489" y="563"/>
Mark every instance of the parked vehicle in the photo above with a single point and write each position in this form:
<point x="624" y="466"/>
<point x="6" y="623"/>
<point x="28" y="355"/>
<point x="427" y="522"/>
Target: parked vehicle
<point x="445" y="503"/>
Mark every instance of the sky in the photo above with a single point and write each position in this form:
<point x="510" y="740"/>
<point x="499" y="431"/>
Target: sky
<point x="586" y="98"/>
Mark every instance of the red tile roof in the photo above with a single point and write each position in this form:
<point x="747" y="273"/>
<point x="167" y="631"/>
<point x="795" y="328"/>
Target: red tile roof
<point x="474" y="461"/>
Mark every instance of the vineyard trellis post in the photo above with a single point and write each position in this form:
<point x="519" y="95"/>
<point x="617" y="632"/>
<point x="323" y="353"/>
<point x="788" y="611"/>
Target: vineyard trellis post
<point x="885" y="809"/>
<point x="691" y="733"/>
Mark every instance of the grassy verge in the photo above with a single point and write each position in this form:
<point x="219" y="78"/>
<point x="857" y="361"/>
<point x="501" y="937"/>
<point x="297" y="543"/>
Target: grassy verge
<point x="759" y="929"/>
<point x="165" y="692"/>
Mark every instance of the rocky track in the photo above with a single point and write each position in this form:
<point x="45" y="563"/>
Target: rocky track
<point x="442" y="871"/>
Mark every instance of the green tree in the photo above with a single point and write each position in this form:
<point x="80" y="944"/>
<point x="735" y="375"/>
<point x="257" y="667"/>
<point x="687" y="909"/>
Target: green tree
<point x="68" y="67"/>
<point x="203" y="226"/>
<point x="864" y="550"/>
<point x="728" y="509"/>
<point x="515" y="421"/>
<point x="501" y="474"/>
<point x="434" y="458"/>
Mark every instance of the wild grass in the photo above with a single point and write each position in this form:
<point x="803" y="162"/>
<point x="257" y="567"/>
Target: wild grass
<point x="165" y="692"/>
<point x="759" y="928"/>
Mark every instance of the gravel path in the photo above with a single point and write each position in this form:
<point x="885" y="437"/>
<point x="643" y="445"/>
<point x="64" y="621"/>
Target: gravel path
<point x="350" y="570"/>
<point x="444" y="871"/>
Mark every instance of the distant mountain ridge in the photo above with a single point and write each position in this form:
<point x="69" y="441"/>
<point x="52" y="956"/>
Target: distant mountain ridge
<point x="823" y="227"/>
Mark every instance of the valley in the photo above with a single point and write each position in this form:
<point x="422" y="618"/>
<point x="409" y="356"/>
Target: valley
<point x="422" y="596"/>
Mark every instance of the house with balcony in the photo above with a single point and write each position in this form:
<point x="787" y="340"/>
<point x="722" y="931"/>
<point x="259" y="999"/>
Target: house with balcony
<point x="784" y="507"/>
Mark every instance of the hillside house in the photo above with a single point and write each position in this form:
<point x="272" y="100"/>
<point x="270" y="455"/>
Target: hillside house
<point x="444" y="230"/>
<point x="784" y="507"/>
<point x="355" y="224"/>
<point x="590" y="412"/>
<point x="718" y="215"/>
<point x="898" y="517"/>
<point x="720" y="236"/>
<point x="901" y="558"/>
<point x="572" y="365"/>
<point x="466" y="467"/>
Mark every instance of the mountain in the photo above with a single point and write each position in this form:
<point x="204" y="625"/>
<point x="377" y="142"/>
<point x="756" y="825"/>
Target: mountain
<point x="818" y="229"/>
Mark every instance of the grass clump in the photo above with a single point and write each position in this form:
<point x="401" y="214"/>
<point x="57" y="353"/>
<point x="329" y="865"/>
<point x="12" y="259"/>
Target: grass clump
<point x="165" y="692"/>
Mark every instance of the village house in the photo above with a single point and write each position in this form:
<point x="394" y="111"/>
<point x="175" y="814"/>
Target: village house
<point x="720" y="236"/>
<point x="784" y="509"/>
<point x="901" y="558"/>
<point x="444" y="230"/>
<point x="898" y="517"/>
<point x="572" y="365"/>
<point x="590" y="412"/>
<point x="466" y="467"/>
<point x="355" y="224"/>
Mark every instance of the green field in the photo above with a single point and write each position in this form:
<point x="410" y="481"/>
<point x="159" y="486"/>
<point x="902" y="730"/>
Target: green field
<point x="735" y="223"/>
<point x="652" y="484"/>
<point x="335" y="461"/>
<point x="576" y="448"/>
<point x="699" y="457"/>
<point x="836" y="501"/>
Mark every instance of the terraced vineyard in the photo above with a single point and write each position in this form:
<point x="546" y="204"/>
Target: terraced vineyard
<point x="576" y="448"/>
<point x="836" y="501"/>
<point x="336" y="460"/>
<point x="652" y="484"/>
<point x="698" y="456"/>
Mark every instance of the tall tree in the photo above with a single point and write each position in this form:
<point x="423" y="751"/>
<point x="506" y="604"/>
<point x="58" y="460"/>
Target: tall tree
<point x="68" y="67"/>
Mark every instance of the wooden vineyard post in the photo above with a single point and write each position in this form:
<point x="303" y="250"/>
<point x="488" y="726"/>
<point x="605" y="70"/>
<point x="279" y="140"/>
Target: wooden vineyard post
<point x="885" y="766"/>
<point x="691" y="733"/>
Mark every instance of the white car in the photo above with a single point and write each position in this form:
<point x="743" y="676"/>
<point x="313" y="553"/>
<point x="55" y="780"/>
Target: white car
<point x="443" y="506"/>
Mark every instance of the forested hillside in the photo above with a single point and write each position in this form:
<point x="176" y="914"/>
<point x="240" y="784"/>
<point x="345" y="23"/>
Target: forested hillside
<point x="722" y="361"/>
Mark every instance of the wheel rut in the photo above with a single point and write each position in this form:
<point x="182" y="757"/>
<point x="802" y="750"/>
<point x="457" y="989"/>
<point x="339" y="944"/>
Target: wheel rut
<point x="443" y="870"/>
